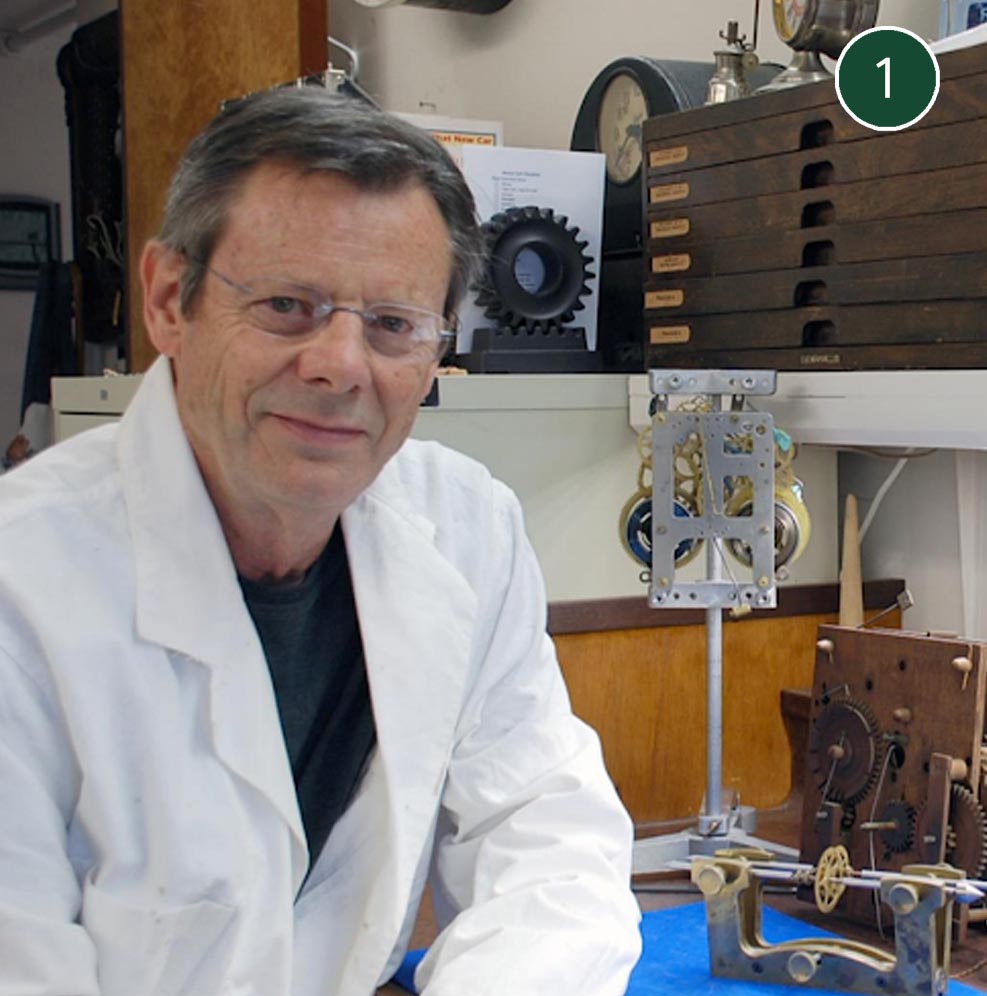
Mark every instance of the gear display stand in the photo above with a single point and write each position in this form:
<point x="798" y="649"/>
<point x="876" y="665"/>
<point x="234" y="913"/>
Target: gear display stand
<point x="532" y="286"/>
<point x="737" y="451"/>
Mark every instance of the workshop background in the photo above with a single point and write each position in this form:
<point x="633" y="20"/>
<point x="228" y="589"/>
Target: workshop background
<point x="529" y="66"/>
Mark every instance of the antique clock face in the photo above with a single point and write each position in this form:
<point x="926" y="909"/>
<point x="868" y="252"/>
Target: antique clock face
<point x="822" y="25"/>
<point x="792" y="17"/>
<point x="623" y="109"/>
<point x="610" y="120"/>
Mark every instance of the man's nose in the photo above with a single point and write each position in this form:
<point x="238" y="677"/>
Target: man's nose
<point x="337" y="352"/>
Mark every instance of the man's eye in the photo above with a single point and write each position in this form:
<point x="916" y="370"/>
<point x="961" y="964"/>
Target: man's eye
<point x="282" y="314"/>
<point x="285" y="305"/>
<point x="393" y="323"/>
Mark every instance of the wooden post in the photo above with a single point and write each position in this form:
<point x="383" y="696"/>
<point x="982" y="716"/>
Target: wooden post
<point x="851" y="588"/>
<point x="179" y="61"/>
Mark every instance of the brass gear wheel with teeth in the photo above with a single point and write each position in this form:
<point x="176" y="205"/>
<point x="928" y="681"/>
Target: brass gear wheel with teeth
<point x="550" y="304"/>
<point x="831" y="868"/>
<point x="966" y="835"/>
<point x="845" y="750"/>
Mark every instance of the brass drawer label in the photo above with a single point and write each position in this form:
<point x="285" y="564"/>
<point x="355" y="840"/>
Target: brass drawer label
<point x="660" y="335"/>
<point x="662" y="193"/>
<point x="667" y="229"/>
<point x="819" y="359"/>
<point x="672" y="263"/>
<point x="669" y="157"/>
<point x="664" y="299"/>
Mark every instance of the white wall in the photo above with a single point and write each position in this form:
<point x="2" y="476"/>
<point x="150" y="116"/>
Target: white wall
<point x="35" y="161"/>
<point x="915" y="534"/>
<point x="571" y="457"/>
<point x="530" y="64"/>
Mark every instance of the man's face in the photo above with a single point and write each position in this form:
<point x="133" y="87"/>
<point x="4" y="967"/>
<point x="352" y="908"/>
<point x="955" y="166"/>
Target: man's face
<point x="294" y="425"/>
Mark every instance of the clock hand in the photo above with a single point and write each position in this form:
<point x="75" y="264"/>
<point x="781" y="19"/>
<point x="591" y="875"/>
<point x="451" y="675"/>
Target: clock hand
<point x="633" y="131"/>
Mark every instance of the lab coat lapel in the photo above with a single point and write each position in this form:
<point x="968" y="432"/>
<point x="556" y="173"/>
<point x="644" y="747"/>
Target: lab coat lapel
<point x="416" y="618"/>
<point x="189" y="600"/>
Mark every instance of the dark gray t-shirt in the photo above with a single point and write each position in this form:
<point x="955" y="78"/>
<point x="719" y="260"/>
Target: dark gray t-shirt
<point x="311" y="638"/>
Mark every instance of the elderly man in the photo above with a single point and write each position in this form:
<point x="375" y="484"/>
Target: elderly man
<point x="266" y="666"/>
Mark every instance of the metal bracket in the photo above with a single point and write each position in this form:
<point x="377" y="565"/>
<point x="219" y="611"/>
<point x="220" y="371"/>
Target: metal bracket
<point x="753" y="382"/>
<point x="920" y="896"/>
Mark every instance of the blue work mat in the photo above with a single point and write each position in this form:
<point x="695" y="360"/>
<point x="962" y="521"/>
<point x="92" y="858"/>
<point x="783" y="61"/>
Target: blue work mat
<point x="676" y="957"/>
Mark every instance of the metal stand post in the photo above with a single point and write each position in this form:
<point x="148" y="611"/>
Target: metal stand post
<point x="723" y="460"/>
<point x="711" y="821"/>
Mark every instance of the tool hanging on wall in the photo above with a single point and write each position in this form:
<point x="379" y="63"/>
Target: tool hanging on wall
<point x="331" y="78"/>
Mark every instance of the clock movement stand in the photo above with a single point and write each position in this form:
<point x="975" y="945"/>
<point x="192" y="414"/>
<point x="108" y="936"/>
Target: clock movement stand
<point x="736" y="450"/>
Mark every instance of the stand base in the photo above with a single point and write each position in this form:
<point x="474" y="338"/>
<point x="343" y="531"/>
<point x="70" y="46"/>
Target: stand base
<point x="657" y="854"/>
<point x="507" y="350"/>
<point x="805" y="67"/>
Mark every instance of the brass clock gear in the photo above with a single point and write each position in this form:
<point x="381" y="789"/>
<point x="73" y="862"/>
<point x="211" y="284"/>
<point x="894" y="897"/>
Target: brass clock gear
<point x="833" y="866"/>
<point x="966" y="836"/>
<point x="845" y="750"/>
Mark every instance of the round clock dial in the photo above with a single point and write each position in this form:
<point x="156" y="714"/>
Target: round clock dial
<point x="623" y="110"/>
<point x="822" y="25"/>
<point x="790" y="17"/>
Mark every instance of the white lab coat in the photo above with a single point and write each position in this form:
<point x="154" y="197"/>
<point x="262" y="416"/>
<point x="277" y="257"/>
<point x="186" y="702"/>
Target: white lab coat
<point x="150" y="837"/>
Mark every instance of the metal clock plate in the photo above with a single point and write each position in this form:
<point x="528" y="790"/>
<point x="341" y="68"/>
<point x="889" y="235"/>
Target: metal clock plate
<point x="717" y="431"/>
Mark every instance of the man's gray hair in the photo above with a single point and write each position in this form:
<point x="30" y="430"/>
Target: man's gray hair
<point x="315" y="131"/>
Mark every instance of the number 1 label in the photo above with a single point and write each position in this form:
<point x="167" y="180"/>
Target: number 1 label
<point x="886" y="62"/>
<point x="858" y="83"/>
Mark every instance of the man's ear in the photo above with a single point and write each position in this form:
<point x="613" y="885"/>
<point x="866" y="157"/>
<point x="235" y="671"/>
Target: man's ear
<point x="161" y="269"/>
<point x="430" y="379"/>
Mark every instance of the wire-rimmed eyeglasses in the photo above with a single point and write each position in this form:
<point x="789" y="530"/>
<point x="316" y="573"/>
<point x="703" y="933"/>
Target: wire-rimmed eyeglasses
<point x="293" y="311"/>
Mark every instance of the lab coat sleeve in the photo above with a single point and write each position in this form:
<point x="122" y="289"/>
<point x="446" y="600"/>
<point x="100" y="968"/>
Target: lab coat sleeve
<point x="532" y="863"/>
<point x="43" y="950"/>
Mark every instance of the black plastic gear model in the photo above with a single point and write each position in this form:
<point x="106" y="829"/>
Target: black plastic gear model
<point x="536" y="270"/>
<point x="966" y="837"/>
<point x="845" y="750"/>
<point x="900" y="837"/>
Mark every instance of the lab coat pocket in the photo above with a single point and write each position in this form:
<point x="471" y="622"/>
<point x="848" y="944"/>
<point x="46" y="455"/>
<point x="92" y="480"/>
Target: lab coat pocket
<point x="164" y="952"/>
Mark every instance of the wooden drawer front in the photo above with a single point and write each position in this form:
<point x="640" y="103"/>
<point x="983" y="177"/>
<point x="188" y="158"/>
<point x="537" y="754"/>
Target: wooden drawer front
<point x="886" y="239"/>
<point x="783" y="234"/>
<point x="941" y="334"/>
<point x="879" y="156"/>
<point x="933" y="191"/>
<point x="925" y="278"/>
<point x="797" y="119"/>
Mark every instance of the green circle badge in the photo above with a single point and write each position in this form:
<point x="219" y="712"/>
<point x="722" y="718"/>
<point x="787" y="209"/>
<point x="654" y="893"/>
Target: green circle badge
<point x="887" y="78"/>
